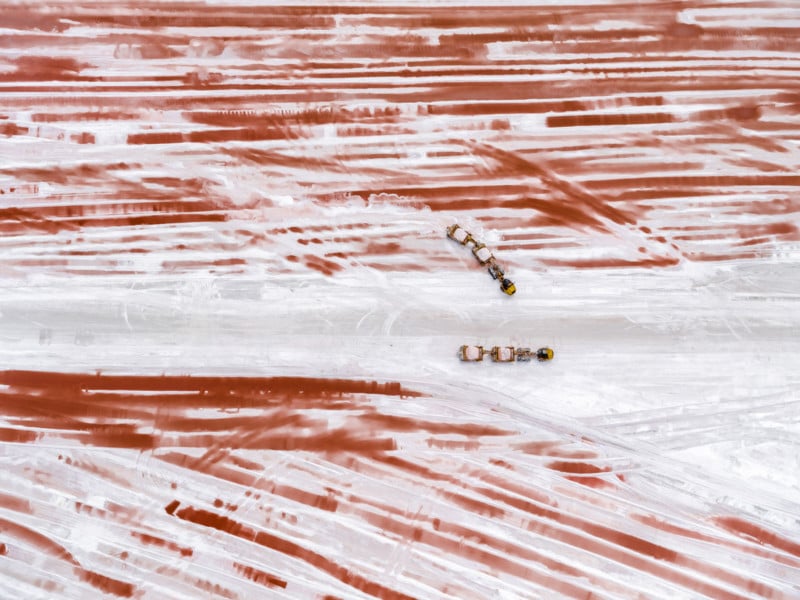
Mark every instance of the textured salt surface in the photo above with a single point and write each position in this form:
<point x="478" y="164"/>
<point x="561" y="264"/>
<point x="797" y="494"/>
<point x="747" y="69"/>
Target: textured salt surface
<point x="229" y="314"/>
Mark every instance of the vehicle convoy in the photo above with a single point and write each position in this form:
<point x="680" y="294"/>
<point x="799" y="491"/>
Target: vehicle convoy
<point x="483" y="255"/>
<point x="468" y="353"/>
<point x="501" y="354"/>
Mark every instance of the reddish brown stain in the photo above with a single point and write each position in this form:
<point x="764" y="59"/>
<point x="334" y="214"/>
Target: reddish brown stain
<point x="180" y="265"/>
<point x="155" y="50"/>
<point x="166" y="137"/>
<point x="613" y="263"/>
<point x="698" y="180"/>
<point x="214" y="589"/>
<point x="663" y="525"/>
<point x="396" y="423"/>
<point x="434" y="194"/>
<point x="615" y="545"/>
<point x="632" y="542"/>
<point x="580" y="472"/>
<point x="543" y="106"/>
<point x="20" y="436"/>
<point x="488" y="551"/>
<point x="44" y="544"/>
<point x="757" y="165"/>
<point x="752" y="242"/>
<point x="263" y="538"/>
<point x="759" y="534"/>
<point x="270" y="418"/>
<point x="38" y="540"/>
<point x="84" y="137"/>
<point x="615" y="166"/>
<point x="529" y="502"/>
<point x="470" y="503"/>
<point x="786" y="230"/>
<point x="708" y="257"/>
<point x="466" y="445"/>
<point x="576" y="467"/>
<point x="383" y="249"/>
<point x="338" y="440"/>
<point x="46" y="68"/>
<point x="484" y="550"/>
<point x="326" y="502"/>
<point x="153" y="540"/>
<point x="396" y="267"/>
<point x="259" y="576"/>
<point x="9" y="129"/>
<point x="78" y="406"/>
<point x="14" y="503"/>
<point x="326" y="267"/>
<point x="540" y="448"/>
<point x="204" y="16"/>
<point x="518" y="496"/>
<point x="230" y="135"/>
<point x="112" y="436"/>
<point x="590" y="120"/>
<point x="584" y="208"/>
<point x="45" y="380"/>
<point x="106" y="584"/>
<point x="31" y="18"/>
<point x="325" y="441"/>
<point x="743" y="113"/>
<point x="100" y="115"/>
<point x="251" y="118"/>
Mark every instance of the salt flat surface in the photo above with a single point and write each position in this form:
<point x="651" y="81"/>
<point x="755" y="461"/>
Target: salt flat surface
<point x="230" y="315"/>
<point x="673" y="397"/>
